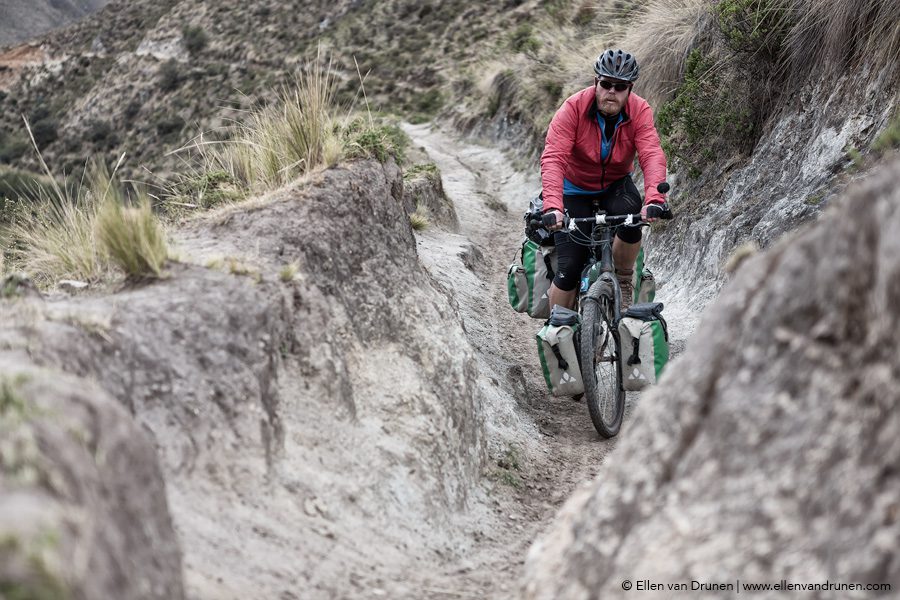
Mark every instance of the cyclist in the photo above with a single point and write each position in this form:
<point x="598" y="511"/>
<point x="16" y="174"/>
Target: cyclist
<point x="589" y="155"/>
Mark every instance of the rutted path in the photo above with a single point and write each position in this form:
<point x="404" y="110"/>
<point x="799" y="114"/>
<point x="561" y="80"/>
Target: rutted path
<point x="556" y="445"/>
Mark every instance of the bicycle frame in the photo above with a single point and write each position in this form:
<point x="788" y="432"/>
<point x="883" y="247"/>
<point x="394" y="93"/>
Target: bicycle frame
<point x="601" y="253"/>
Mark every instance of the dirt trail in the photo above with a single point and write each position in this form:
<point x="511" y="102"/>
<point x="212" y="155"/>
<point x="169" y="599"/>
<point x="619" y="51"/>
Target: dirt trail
<point x="559" y="447"/>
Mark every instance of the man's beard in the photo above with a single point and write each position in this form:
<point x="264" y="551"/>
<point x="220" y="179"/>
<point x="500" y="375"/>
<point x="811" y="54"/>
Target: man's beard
<point x="610" y="107"/>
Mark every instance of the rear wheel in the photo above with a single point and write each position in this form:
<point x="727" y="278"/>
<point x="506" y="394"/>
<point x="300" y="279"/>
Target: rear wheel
<point x="600" y="366"/>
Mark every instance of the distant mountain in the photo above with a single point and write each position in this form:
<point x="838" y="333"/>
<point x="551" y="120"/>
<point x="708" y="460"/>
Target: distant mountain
<point x="21" y="20"/>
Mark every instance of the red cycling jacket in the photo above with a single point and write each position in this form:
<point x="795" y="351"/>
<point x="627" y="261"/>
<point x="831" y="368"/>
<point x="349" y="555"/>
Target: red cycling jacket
<point x="572" y="149"/>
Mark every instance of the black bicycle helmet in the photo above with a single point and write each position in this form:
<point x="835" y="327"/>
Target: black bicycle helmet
<point x="618" y="65"/>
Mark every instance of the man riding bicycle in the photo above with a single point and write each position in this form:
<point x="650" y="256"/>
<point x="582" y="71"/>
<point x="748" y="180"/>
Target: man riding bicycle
<point x="588" y="156"/>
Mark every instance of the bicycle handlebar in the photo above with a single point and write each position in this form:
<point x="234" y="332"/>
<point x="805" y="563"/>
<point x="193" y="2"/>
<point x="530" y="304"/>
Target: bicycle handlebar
<point x="654" y="211"/>
<point x="659" y="211"/>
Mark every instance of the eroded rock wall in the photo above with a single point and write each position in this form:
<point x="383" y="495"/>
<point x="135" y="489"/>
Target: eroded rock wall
<point x="769" y="451"/>
<point x="801" y="163"/>
<point x="310" y="390"/>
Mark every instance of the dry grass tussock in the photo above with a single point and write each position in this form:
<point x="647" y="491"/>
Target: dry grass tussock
<point x="794" y="38"/>
<point x="132" y="236"/>
<point x="85" y="231"/>
<point x="420" y="220"/>
<point x="278" y="143"/>
<point x="304" y="130"/>
<point x="662" y="35"/>
<point x="844" y="33"/>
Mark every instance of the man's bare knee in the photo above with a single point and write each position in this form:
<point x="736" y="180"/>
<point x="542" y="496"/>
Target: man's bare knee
<point x="562" y="297"/>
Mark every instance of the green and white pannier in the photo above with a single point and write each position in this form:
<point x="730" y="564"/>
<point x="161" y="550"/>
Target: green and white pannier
<point x="644" y="342"/>
<point x="528" y="282"/>
<point x="643" y="281"/>
<point x="558" y="353"/>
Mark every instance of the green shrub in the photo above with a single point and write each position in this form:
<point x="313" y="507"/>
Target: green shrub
<point x="708" y="115"/>
<point x="585" y="14"/>
<point x="195" y="38"/>
<point x="101" y="134"/>
<point x="758" y="27"/>
<point x="168" y="126"/>
<point x="169" y="76"/>
<point x="12" y="148"/>
<point x="552" y="88"/>
<point x="132" y="109"/>
<point x="430" y="102"/>
<point x="45" y="131"/>
<point x="523" y="40"/>
<point x="376" y="141"/>
<point x="425" y="169"/>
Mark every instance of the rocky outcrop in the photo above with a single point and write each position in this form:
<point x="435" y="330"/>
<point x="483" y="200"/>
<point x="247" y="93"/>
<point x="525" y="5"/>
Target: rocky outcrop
<point x="83" y="511"/>
<point x="769" y="452"/>
<point x="423" y="191"/>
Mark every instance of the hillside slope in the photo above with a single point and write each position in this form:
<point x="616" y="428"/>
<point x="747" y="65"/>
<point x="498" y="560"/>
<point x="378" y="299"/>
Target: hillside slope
<point x="147" y="76"/>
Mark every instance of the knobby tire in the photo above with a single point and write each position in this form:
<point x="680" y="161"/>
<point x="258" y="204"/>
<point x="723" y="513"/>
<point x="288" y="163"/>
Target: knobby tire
<point x="601" y="368"/>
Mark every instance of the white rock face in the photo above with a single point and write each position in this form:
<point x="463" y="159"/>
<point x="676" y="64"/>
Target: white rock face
<point x="162" y="49"/>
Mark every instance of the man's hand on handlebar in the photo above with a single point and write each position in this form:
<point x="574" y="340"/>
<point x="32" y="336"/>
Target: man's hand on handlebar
<point x="553" y="220"/>
<point x="659" y="211"/>
<point x="654" y="212"/>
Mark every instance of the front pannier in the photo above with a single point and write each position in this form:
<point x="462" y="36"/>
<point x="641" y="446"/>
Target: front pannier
<point x="559" y="354"/>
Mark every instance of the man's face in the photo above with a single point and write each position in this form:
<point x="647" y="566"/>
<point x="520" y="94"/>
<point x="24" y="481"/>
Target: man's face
<point x="611" y="101"/>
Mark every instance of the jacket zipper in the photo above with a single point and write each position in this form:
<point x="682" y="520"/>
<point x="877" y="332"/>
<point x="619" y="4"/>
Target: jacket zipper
<point x="612" y="146"/>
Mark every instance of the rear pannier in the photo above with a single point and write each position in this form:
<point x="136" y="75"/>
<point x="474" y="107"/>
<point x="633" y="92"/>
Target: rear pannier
<point x="644" y="343"/>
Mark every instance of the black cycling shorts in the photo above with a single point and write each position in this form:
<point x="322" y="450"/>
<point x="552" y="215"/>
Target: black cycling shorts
<point x="622" y="197"/>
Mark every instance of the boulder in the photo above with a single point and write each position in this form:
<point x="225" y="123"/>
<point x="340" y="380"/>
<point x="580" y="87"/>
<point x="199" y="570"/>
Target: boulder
<point x="83" y="511"/>
<point x="424" y="191"/>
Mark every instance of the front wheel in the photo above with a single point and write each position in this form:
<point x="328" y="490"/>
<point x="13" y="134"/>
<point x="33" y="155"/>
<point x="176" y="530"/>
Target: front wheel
<point x="600" y="366"/>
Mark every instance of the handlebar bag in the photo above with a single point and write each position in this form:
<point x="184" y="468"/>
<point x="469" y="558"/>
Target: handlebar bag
<point x="559" y="357"/>
<point x="644" y="340"/>
<point x="528" y="282"/>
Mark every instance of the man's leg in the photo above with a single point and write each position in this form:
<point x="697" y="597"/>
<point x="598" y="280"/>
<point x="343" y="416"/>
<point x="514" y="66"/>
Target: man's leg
<point x="624" y="257"/>
<point x="562" y="297"/>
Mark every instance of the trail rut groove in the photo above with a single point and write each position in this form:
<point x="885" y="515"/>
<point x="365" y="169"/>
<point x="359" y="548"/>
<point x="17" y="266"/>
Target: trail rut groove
<point x="561" y="449"/>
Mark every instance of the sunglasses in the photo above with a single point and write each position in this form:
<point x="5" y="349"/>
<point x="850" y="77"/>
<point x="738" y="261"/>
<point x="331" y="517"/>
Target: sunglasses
<point x="608" y="85"/>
